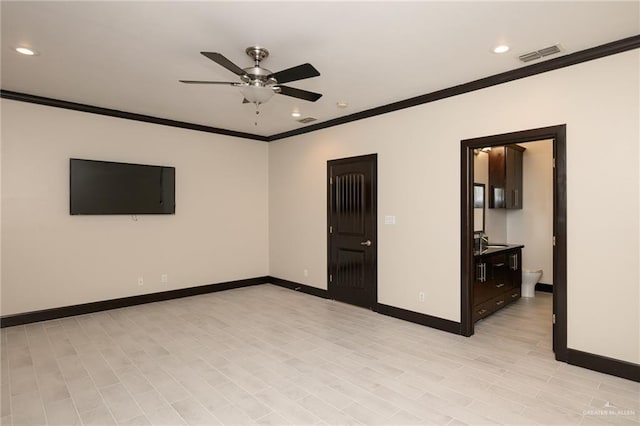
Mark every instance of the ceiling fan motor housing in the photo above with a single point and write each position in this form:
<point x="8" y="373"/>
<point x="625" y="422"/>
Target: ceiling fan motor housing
<point x="259" y="74"/>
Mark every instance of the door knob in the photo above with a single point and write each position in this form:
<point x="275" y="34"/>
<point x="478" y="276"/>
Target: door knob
<point x="366" y="243"/>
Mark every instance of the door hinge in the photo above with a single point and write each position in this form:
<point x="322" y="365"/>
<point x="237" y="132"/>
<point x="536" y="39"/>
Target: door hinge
<point x="553" y="318"/>
<point x="554" y="163"/>
<point x="331" y="229"/>
<point x="330" y="278"/>
<point x="554" y="240"/>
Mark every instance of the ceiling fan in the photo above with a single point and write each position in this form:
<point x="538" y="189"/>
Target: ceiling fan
<point x="258" y="84"/>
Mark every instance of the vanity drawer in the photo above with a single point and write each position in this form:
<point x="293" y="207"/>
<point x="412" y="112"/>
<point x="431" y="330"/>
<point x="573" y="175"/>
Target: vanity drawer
<point x="501" y="301"/>
<point x="483" y="292"/>
<point x="484" y="309"/>
<point x="513" y="295"/>
<point x="497" y="260"/>
<point x="500" y="286"/>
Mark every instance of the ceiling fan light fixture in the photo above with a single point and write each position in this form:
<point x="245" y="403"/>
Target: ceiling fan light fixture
<point x="256" y="94"/>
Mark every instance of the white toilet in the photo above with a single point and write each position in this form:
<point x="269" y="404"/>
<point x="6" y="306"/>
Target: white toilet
<point x="530" y="278"/>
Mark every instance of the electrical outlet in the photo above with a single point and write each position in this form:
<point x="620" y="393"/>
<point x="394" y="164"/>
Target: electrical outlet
<point x="164" y="278"/>
<point x="140" y="281"/>
<point x="306" y="272"/>
<point x="421" y="296"/>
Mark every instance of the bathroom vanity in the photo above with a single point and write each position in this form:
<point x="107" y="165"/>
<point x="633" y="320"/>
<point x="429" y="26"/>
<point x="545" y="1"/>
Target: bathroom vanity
<point x="498" y="278"/>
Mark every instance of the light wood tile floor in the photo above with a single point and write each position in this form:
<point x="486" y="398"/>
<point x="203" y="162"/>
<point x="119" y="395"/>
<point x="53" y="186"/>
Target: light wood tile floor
<point x="268" y="355"/>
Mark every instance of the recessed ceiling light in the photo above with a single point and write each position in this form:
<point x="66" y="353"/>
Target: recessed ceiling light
<point x="503" y="48"/>
<point x="342" y="104"/>
<point x="25" y="51"/>
<point x="295" y="114"/>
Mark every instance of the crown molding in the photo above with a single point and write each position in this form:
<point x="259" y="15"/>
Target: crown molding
<point x="58" y="103"/>
<point x="575" y="58"/>
<point x="612" y="48"/>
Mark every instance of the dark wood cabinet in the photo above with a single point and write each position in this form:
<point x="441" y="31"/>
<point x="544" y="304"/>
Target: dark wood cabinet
<point x="505" y="177"/>
<point x="497" y="281"/>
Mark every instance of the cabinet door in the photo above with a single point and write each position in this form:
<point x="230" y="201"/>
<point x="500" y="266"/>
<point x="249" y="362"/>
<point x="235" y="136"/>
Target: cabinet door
<point x="482" y="290"/>
<point x="515" y="268"/>
<point x="513" y="178"/>
<point x="496" y="177"/>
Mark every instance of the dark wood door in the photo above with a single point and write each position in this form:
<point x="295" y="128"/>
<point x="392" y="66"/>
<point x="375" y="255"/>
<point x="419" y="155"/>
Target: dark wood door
<point x="352" y="234"/>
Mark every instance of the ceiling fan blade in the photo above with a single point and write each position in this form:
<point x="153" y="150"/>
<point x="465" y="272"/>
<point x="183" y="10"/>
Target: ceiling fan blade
<point x="296" y="73"/>
<point x="299" y="93"/>
<point x="230" y="83"/>
<point x="245" y="101"/>
<point x="219" y="59"/>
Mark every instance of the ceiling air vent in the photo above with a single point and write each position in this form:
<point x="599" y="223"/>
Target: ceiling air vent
<point x="551" y="50"/>
<point x="307" y="120"/>
<point x="531" y="56"/>
<point x="537" y="54"/>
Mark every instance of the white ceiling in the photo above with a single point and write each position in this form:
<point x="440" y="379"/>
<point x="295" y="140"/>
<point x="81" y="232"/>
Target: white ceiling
<point x="129" y="55"/>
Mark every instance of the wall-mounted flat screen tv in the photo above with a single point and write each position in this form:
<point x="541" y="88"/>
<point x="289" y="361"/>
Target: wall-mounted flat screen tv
<point x="104" y="187"/>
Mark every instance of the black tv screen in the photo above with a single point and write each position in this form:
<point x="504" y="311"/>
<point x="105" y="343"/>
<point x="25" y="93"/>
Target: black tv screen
<point x="103" y="187"/>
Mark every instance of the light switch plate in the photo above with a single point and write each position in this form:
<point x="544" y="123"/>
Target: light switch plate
<point x="389" y="220"/>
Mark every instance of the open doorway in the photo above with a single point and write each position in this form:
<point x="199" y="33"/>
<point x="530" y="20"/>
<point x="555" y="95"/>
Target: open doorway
<point x="469" y="215"/>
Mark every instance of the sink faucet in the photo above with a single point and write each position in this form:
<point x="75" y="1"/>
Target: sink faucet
<point x="484" y="240"/>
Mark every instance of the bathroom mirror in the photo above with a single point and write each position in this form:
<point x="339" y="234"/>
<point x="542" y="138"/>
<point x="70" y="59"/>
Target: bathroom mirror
<point x="478" y="207"/>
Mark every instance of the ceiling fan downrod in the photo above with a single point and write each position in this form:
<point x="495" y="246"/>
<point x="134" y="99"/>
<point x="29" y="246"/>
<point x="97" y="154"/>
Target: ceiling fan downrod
<point x="257" y="53"/>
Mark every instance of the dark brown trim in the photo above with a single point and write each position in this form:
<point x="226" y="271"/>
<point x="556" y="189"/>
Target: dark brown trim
<point x="586" y="55"/>
<point x="599" y="363"/>
<point x="418" y="318"/>
<point x="603" y="364"/>
<point x="560" y="249"/>
<point x="558" y="135"/>
<point x="575" y="58"/>
<point x="104" y="305"/>
<point x="57" y="103"/>
<point x="391" y="311"/>
<point x="466" y="243"/>
<point x="544" y="288"/>
<point x="303" y="288"/>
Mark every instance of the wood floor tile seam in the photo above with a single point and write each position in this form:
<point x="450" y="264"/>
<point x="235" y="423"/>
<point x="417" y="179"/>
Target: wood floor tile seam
<point x="108" y="407"/>
<point x="9" y="383"/>
<point x="188" y="337"/>
<point x="42" y="405"/>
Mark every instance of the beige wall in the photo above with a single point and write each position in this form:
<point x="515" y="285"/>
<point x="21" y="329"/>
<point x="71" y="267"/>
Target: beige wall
<point x="51" y="259"/>
<point x="239" y="217"/>
<point x="419" y="182"/>
<point x="533" y="224"/>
